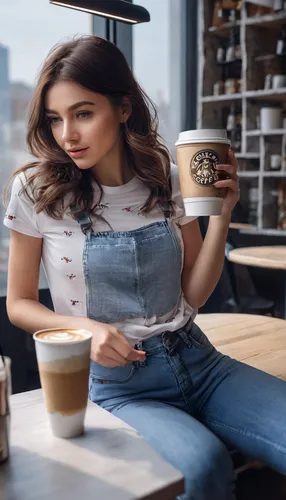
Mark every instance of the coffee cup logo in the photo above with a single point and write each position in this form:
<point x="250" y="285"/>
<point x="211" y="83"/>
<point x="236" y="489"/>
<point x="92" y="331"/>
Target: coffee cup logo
<point x="202" y="167"/>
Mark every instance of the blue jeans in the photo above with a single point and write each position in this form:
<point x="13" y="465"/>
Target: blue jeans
<point x="191" y="403"/>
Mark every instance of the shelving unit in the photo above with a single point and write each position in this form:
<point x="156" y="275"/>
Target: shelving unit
<point x="258" y="133"/>
<point x="257" y="38"/>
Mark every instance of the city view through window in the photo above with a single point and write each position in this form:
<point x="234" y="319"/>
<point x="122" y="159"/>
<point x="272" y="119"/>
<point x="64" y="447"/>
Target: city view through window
<point x="29" y="29"/>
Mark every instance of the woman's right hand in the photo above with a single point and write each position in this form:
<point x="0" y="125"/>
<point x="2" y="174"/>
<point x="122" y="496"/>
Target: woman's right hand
<point x="110" y="348"/>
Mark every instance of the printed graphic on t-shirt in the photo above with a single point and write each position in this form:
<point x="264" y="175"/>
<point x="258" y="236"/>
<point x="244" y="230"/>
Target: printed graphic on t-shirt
<point x="74" y="302"/>
<point x="71" y="276"/>
<point x="66" y="260"/>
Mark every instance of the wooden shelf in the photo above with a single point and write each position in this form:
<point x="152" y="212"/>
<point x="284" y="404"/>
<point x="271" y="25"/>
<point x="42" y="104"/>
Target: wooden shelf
<point x="223" y="30"/>
<point x="258" y="133"/>
<point x="265" y="232"/>
<point x="267" y="21"/>
<point x="248" y="156"/>
<point x="266" y="57"/>
<point x="241" y="225"/>
<point x="276" y="173"/>
<point x="266" y="95"/>
<point x="250" y="173"/>
<point x="220" y="98"/>
<point x="261" y="95"/>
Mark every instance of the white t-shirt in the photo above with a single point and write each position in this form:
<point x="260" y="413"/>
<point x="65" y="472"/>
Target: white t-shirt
<point x="63" y="244"/>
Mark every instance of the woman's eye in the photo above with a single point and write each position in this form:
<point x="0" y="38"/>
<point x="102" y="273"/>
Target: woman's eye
<point x="53" y="120"/>
<point x="83" y="114"/>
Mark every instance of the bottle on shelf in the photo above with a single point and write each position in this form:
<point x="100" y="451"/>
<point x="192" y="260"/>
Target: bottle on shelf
<point x="233" y="127"/>
<point x="252" y="205"/>
<point x="231" y="51"/>
<point x="230" y="54"/>
<point x="238" y="49"/>
<point x="231" y="66"/>
<point x="281" y="43"/>
<point x="220" y="55"/>
<point x="238" y="133"/>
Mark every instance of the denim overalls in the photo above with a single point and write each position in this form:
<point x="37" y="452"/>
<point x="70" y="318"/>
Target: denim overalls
<point x="132" y="274"/>
<point x="186" y="398"/>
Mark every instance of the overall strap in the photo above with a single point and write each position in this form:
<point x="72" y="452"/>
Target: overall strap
<point x="83" y="219"/>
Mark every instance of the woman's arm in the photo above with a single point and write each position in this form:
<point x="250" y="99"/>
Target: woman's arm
<point x="23" y="307"/>
<point x="203" y="261"/>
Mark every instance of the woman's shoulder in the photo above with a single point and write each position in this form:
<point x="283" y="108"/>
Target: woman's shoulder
<point x="24" y="182"/>
<point x="180" y="216"/>
<point x="175" y="182"/>
<point x="20" y="214"/>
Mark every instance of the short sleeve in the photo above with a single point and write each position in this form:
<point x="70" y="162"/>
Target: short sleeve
<point x="180" y="216"/>
<point x="20" y="214"/>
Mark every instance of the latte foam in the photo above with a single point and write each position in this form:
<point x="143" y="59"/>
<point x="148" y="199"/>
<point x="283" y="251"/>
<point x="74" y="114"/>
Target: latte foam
<point x="62" y="336"/>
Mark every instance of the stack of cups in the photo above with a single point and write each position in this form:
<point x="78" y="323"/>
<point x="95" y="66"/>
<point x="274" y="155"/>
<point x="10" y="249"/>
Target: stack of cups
<point x="198" y="153"/>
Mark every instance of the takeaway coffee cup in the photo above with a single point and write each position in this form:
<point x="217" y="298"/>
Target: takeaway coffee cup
<point x="63" y="359"/>
<point x="198" y="153"/>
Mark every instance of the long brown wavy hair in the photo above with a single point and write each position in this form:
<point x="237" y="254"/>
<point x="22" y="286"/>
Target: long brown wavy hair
<point x="99" y="66"/>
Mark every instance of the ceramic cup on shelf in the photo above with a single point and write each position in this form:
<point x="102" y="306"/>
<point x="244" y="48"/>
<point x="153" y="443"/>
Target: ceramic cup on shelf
<point x="278" y="81"/>
<point x="270" y="119"/>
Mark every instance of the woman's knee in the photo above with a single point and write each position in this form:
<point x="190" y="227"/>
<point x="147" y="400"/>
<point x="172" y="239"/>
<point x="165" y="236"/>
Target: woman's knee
<point x="209" y="474"/>
<point x="187" y="445"/>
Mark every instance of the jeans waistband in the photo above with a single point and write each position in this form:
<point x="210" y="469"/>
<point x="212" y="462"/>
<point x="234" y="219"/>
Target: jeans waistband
<point x="158" y="342"/>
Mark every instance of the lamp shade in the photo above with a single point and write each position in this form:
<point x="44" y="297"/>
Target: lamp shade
<point x="119" y="10"/>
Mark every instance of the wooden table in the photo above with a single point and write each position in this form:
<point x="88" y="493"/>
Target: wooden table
<point x="268" y="257"/>
<point x="259" y="341"/>
<point x="240" y="225"/>
<point x="110" y="462"/>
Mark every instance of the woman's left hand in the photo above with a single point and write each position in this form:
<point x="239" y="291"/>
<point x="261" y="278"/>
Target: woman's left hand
<point x="231" y="184"/>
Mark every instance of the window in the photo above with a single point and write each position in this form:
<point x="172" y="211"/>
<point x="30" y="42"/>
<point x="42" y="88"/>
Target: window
<point x="28" y="30"/>
<point x="158" y="63"/>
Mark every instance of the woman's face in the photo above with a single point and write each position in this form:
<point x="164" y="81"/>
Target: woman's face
<point x="84" y="124"/>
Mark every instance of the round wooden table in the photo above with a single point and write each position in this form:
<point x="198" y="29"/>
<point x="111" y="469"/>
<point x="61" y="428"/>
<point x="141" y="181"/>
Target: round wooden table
<point x="240" y="225"/>
<point x="259" y="341"/>
<point x="268" y="257"/>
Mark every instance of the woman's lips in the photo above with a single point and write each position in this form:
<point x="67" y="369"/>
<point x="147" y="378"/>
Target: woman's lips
<point x="78" y="153"/>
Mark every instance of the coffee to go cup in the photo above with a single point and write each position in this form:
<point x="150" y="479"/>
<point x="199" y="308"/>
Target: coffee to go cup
<point x="198" y="153"/>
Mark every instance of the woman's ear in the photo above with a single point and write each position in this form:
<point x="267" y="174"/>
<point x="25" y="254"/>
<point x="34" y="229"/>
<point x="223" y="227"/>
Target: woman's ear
<point x="125" y="110"/>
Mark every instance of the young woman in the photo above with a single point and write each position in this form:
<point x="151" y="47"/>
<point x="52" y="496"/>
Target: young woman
<point x="101" y="207"/>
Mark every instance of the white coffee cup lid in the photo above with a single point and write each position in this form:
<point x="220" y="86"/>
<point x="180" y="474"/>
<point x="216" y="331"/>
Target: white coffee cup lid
<point x="203" y="135"/>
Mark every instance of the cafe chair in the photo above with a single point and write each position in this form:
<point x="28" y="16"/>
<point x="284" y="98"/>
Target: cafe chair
<point x="240" y="302"/>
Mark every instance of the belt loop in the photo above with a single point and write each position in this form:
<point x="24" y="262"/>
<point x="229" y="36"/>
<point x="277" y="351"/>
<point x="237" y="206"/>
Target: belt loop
<point x="169" y="341"/>
<point x="184" y="332"/>
<point x="139" y="347"/>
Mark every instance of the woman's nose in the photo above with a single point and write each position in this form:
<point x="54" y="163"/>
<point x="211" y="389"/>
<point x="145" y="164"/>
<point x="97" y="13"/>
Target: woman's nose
<point x="69" y="132"/>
